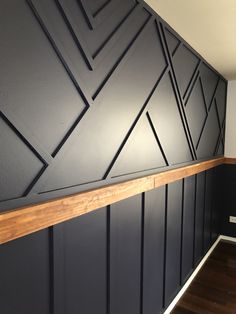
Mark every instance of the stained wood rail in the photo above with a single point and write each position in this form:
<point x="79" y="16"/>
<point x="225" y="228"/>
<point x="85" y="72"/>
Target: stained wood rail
<point x="23" y="221"/>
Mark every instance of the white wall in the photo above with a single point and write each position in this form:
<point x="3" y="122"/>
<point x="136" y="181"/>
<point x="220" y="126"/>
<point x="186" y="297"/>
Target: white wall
<point x="230" y="134"/>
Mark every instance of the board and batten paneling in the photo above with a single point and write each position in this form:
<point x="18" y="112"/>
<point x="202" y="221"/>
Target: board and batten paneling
<point x="98" y="92"/>
<point x="26" y="275"/>
<point x="131" y="256"/>
<point x="85" y="262"/>
<point x="173" y="240"/>
<point x="208" y="209"/>
<point x="189" y="189"/>
<point x="199" y="215"/>
<point x="153" y="250"/>
<point x="125" y="256"/>
<point x="226" y="187"/>
<point x="94" y="93"/>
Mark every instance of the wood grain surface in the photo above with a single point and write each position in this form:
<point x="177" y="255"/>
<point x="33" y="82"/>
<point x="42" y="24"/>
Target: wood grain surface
<point x="213" y="290"/>
<point x="23" y="221"/>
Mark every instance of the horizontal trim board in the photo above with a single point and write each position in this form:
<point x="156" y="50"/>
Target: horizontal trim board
<point x="23" y="221"/>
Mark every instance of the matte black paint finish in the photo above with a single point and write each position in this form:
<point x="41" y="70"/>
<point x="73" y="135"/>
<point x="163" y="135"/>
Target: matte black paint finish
<point x="14" y="166"/>
<point x="227" y="205"/>
<point x="209" y="83"/>
<point x="209" y="194"/>
<point x="199" y="217"/>
<point x="196" y="111"/>
<point x="153" y="254"/>
<point x="95" y="92"/>
<point x="170" y="112"/>
<point x="125" y="256"/>
<point x="185" y="64"/>
<point x="173" y="240"/>
<point x="133" y="255"/>
<point x="85" y="264"/>
<point x="57" y="252"/>
<point x="189" y="189"/>
<point x="25" y="275"/>
<point x="35" y="88"/>
<point x="172" y="42"/>
<point x="218" y="200"/>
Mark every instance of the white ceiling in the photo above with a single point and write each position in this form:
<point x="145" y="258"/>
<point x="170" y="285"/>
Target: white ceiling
<point x="209" y="26"/>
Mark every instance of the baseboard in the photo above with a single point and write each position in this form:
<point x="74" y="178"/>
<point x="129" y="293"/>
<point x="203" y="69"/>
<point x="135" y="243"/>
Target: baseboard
<point x="231" y="239"/>
<point x="188" y="282"/>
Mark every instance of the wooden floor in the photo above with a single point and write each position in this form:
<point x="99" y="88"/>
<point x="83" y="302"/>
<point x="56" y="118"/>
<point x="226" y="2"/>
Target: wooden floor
<point x="214" y="288"/>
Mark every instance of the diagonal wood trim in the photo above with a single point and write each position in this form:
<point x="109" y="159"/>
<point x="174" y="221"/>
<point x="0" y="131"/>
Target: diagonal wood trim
<point x="20" y="222"/>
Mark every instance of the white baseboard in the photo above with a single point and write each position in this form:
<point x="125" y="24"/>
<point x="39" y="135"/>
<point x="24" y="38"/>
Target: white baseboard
<point x="188" y="282"/>
<point x="231" y="239"/>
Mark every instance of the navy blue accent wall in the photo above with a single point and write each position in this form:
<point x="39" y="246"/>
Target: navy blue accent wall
<point x="93" y="93"/>
<point x="98" y="92"/>
<point x="188" y="227"/>
<point x="227" y="202"/>
<point x="131" y="257"/>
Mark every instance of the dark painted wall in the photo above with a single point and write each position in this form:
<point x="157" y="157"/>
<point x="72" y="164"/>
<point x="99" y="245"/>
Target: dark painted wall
<point x="133" y="255"/>
<point x="228" y="199"/>
<point x="94" y="92"/>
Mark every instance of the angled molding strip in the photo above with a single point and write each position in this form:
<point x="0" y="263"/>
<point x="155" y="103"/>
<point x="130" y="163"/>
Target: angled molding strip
<point x="104" y="82"/>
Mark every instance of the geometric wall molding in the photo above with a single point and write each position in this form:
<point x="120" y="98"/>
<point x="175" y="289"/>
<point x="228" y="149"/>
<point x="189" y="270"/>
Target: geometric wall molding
<point x="98" y="92"/>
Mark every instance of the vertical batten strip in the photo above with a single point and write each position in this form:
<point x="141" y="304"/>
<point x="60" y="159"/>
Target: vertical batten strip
<point x="182" y="225"/>
<point x="165" y="238"/>
<point x="142" y="251"/>
<point x="108" y="259"/>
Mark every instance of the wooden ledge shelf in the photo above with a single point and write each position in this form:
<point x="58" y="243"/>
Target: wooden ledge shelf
<point x="23" y="221"/>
